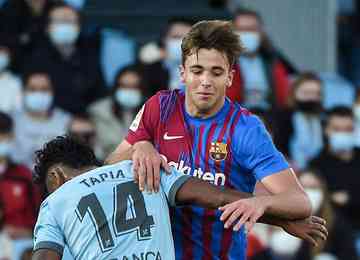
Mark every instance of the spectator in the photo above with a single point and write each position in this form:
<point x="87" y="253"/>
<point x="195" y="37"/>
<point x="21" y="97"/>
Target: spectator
<point x="164" y="73"/>
<point x="298" y="131"/>
<point x="39" y="120"/>
<point x="10" y="85"/>
<point x="71" y="61"/>
<point x="6" y="251"/>
<point x="113" y="115"/>
<point x="261" y="73"/>
<point x="340" y="243"/>
<point x="83" y="128"/>
<point x="339" y="163"/>
<point x="25" y="21"/>
<point x="20" y="198"/>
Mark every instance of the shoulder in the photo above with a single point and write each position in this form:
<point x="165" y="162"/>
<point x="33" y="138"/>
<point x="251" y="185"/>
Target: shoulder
<point x="59" y="114"/>
<point x="101" y="107"/>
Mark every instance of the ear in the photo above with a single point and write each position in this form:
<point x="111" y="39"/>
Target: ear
<point x="182" y="73"/>
<point x="55" y="179"/>
<point x="230" y="78"/>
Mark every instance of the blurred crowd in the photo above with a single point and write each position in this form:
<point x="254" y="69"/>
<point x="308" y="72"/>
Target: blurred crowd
<point x="57" y="76"/>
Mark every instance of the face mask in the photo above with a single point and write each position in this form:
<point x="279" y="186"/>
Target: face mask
<point x="308" y="106"/>
<point x="64" y="33"/>
<point x="250" y="41"/>
<point x="4" y="61"/>
<point x="356" y="111"/>
<point x="38" y="101"/>
<point x="341" y="141"/>
<point x="173" y="49"/>
<point x="128" y="98"/>
<point x="5" y="148"/>
<point x="284" y="244"/>
<point x="316" y="197"/>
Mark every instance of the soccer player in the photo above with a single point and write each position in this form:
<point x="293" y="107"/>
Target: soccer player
<point x="203" y="134"/>
<point x="100" y="213"/>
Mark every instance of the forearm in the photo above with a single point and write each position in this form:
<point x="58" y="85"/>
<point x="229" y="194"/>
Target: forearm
<point x="203" y="194"/>
<point x="123" y="152"/>
<point x="288" y="205"/>
<point x="45" y="254"/>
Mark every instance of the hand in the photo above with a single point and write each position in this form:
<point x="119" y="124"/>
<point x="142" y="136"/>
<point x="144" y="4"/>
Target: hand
<point x="246" y="211"/>
<point x="341" y="198"/>
<point x="309" y="229"/>
<point x="147" y="162"/>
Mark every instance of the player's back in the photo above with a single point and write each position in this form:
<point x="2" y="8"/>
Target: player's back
<point x="103" y="215"/>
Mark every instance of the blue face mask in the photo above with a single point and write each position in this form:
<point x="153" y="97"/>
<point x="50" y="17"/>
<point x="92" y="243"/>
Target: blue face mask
<point x="341" y="141"/>
<point x="63" y="33"/>
<point x="173" y="49"/>
<point x="38" y="101"/>
<point x="4" y="61"/>
<point x="250" y="41"/>
<point x="5" y="148"/>
<point x="128" y="98"/>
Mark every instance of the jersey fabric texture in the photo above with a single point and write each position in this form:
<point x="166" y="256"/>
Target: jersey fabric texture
<point x="230" y="149"/>
<point x="102" y="214"/>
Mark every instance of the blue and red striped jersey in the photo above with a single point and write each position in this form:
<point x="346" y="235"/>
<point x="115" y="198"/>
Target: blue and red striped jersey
<point x="231" y="149"/>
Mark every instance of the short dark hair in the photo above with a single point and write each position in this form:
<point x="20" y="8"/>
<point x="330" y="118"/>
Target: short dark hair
<point x="31" y="72"/>
<point x="65" y="150"/>
<point x="215" y="34"/>
<point x="341" y="111"/>
<point x="246" y="11"/>
<point x="6" y="123"/>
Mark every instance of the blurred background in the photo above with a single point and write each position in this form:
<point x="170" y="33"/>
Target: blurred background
<point x="85" y="67"/>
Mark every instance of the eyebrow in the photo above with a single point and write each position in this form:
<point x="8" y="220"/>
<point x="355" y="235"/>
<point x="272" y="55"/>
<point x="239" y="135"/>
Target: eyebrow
<point x="201" y="67"/>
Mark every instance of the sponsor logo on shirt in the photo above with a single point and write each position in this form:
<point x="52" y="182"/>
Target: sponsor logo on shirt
<point x="217" y="178"/>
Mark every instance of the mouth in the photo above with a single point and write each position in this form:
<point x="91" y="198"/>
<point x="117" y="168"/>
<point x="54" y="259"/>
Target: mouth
<point x="204" y="95"/>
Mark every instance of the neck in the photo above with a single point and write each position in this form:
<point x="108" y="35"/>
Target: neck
<point x="345" y="156"/>
<point x="39" y="115"/>
<point x="66" y="50"/>
<point x="194" y="111"/>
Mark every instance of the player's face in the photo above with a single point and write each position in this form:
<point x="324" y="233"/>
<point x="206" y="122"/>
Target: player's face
<point x="206" y="75"/>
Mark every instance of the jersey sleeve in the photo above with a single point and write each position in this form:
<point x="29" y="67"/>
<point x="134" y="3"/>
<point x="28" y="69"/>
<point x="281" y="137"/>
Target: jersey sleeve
<point x="145" y="122"/>
<point x="257" y="151"/>
<point x="171" y="183"/>
<point x="47" y="233"/>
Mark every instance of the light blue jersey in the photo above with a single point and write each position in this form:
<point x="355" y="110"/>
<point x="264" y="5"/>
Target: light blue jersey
<point x="102" y="214"/>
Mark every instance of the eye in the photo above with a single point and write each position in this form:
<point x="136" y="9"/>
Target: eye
<point x="217" y="72"/>
<point x="196" y="71"/>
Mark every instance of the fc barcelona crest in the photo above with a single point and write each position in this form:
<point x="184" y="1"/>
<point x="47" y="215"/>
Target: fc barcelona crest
<point x="218" y="151"/>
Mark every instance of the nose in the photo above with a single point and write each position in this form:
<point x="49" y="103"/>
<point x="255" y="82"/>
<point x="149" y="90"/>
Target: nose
<point x="206" y="79"/>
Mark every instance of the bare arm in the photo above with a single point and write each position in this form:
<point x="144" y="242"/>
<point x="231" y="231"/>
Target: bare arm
<point x="122" y="152"/>
<point x="46" y="254"/>
<point x="288" y="198"/>
<point x="195" y="191"/>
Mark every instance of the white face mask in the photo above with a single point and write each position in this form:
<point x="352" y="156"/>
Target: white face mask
<point x="356" y="111"/>
<point x="4" y="61"/>
<point x="128" y="98"/>
<point x="284" y="244"/>
<point x="5" y="148"/>
<point x="63" y="33"/>
<point x="173" y="49"/>
<point x="316" y="197"/>
<point x="38" y="101"/>
<point x="342" y="141"/>
<point x="250" y="41"/>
